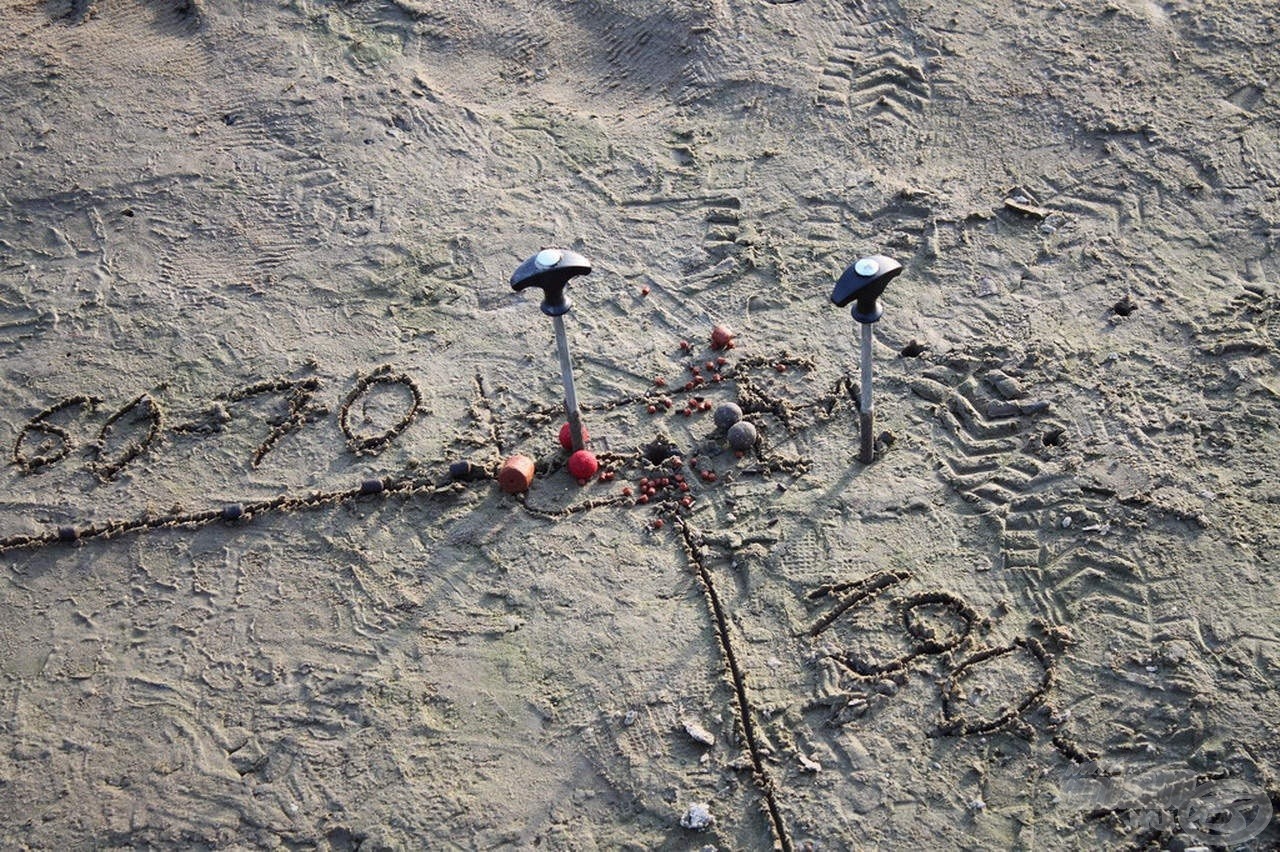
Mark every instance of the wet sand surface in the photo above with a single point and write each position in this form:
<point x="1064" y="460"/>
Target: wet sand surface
<point x="254" y="300"/>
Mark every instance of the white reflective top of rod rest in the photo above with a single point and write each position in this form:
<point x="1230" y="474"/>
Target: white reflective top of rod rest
<point x="548" y="258"/>
<point x="866" y="267"/>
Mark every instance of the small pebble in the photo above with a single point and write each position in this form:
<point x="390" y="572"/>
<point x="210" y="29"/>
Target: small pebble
<point x="698" y="733"/>
<point x="232" y="512"/>
<point x="630" y="719"/>
<point x="372" y="486"/>
<point x="726" y="415"/>
<point x="697" y="818"/>
<point x="742" y="435"/>
<point x="67" y="534"/>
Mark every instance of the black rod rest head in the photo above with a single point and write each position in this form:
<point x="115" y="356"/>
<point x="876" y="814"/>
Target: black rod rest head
<point x="864" y="281"/>
<point x="551" y="270"/>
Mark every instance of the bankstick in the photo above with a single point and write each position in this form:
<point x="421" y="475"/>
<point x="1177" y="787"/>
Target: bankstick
<point x="551" y="269"/>
<point x="862" y="283"/>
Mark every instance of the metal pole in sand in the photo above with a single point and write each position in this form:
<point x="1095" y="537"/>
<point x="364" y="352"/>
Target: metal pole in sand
<point x="572" y="412"/>
<point x="866" y="413"/>
<point x="551" y="269"/>
<point x="862" y="283"/>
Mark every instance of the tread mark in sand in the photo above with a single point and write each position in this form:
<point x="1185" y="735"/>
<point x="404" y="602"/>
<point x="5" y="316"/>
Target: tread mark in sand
<point x="1109" y="192"/>
<point x="721" y="216"/>
<point x="146" y="35"/>
<point x="995" y="435"/>
<point x="175" y="17"/>
<point x="1247" y="325"/>
<point x="651" y="48"/>
<point x="993" y="432"/>
<point x="1108" y="589"/>
<point x="1125" y="612"/>
<point x="1099" y="193"/>
<point x="874" y="73"/>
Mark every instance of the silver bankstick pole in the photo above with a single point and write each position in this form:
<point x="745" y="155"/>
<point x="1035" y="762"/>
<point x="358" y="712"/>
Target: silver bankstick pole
<point x="551" y="270"/>
<point x="866" y="412"/>
<point x="861" y="286"/>
<point x="570" y="393"/>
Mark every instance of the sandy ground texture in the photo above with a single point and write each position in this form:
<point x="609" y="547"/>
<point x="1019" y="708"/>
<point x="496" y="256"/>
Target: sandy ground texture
<point x="254" y="262"/>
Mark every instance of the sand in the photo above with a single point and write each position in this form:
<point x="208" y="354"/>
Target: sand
<point x="254" y="300"/>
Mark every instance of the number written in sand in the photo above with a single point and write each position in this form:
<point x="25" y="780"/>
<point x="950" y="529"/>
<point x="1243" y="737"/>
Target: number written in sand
<point x="44" y="440"/>
<point x="377" y="410"/>
<point x="993" y="687"/>
<point x="934" y="622"/>
<point x="380" y="398"/>
<point x="986" y="691"/>
<point x="297" y="393"/>
<point x="126" y="435"/>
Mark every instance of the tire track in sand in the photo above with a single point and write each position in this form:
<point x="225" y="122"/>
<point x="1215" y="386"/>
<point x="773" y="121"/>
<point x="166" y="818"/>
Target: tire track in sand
<point x="873" y="76"/>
